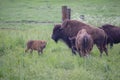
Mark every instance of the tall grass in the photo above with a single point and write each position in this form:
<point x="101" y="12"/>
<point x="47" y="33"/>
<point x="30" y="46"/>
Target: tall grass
<point x="57" y="61"/>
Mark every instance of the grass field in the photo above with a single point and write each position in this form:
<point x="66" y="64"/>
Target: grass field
<point x="23" y="20"/>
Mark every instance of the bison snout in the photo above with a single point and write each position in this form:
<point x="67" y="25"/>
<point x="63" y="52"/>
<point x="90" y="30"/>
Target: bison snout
<point x="54" y="38"/>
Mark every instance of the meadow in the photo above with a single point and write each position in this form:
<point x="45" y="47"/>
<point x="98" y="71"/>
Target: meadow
<point x="22" y="20"/>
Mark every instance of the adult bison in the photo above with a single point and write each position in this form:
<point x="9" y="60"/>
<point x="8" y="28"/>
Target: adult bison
<point x="58" y="33"/>
<point x="113" y="33"/>
<point x="70" y="28"/>
<point x="83" y="42"/>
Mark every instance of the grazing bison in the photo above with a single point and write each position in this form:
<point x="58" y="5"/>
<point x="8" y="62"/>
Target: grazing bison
<point x="113" y="33"/>
<point x="38" y="45"/>
<point x="70" y="28"/>
<point x="83" y="42"/>
<point x="58" y="33"/>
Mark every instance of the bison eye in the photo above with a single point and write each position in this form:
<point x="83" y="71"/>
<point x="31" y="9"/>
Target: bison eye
<point x="59" y="29"/>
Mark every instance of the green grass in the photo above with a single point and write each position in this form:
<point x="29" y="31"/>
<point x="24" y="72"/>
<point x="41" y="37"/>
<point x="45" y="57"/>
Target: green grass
<point x="57" y="61"/>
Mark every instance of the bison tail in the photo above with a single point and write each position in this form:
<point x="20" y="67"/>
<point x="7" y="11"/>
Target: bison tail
<point x="85" y="43"/>
<point x="105" y="40"/>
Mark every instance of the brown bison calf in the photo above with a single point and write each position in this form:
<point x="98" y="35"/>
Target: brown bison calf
<point x="38" y="45"/>
<point x="83" y="42"/>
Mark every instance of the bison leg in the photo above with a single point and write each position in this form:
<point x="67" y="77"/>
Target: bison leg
<point x="73" y="50"/>
<point x="31" y="50"/>
<point x="72" y="46"/>
<point x="40" y="51"/>
<point x="111" y="45"/>
<point x="111" y="42"/>
<point x="100" y="49"/>
<point x="106" y="50"/>
<point x="80" y="52"/>
<point x="26" y="50"/>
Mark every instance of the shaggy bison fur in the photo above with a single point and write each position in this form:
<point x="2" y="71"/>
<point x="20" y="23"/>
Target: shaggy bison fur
<point x="83" y="42"/>
<point x="113" y="33"/>
<point x="70" y="28"/>
<point x="38" y="45"/>
<point x="58" y="33"/>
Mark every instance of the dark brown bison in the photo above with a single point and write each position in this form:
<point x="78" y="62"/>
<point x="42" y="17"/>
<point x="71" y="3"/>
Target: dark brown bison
<point x="70" y="28"/>
<point x="58" y="33"/>
<point x="113" y="33"/>
<point x="83" y="42"/>
<point x="38" y="45"/>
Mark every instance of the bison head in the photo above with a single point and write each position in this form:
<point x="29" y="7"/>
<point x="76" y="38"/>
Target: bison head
<point x="57" y="33"/>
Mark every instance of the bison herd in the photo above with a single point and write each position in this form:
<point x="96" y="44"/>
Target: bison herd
<point x="80" y="37"/>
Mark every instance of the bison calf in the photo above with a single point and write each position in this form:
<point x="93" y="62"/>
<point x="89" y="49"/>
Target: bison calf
<point x="38" y="45"/>
<point x="83" y="42"/>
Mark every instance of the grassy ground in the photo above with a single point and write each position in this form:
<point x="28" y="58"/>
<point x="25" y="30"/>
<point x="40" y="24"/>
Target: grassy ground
<point x="23" y="20"/>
